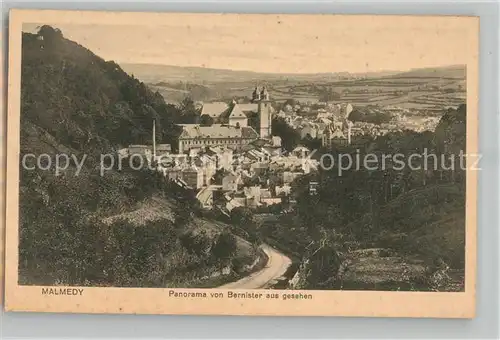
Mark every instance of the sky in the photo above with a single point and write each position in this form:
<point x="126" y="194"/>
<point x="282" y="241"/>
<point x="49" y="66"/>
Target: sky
<point x="274" y="43"/>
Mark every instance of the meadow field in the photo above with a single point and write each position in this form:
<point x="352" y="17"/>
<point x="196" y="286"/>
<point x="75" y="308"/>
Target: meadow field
<point x="420" y="88"/>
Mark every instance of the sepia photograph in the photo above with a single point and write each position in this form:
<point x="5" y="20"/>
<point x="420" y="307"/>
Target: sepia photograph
<point x="242" y="164"/>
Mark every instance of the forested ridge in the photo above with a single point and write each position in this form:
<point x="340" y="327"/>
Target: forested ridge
<point x="85" y="102"/>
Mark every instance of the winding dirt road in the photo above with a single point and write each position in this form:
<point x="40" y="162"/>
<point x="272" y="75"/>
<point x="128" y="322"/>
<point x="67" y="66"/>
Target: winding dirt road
<point x="276" y="266"/>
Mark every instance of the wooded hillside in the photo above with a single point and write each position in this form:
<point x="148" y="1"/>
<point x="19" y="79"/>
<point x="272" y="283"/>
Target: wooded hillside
<point x="75" y="103"/>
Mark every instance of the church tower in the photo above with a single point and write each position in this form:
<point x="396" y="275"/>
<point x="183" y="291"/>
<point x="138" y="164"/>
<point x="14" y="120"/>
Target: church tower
<point x="255" y="95"/>
<point x="265" y="114"/>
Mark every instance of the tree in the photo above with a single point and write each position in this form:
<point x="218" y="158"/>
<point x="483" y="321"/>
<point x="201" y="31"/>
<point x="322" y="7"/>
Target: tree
<point x="290" y="137"/>
<point x="189" y="113"/>
<point x="182" y="216"/>
<point x="206" y="120"/>
<point x="292" y="102"/>
<point x="225" y="246"/>
<point x="242" y="216"/>
<point x="196" y="243"/>
<point x="311" y="143"/>
<point x="49" y="34"/>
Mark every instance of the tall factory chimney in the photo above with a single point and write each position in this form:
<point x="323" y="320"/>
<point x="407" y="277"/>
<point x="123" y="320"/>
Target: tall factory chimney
<point x="154" y="139"/>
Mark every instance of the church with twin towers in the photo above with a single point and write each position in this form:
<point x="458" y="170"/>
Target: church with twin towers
<point x="231" y="123"/>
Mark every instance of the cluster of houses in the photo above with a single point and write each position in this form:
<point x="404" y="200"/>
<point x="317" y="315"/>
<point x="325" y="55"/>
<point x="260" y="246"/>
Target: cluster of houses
<point x="231" y="163"/>
<point x="331" y="125"/>
<point x="260" y="174"/>
<point x="257" y="178"/>
<point x="228" y="163"/>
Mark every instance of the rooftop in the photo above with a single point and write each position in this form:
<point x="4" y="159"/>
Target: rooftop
<point x="236" y="112"/>
<point x="217" y="131"/>
<point x="250" y="107"/>
<point x="215" y="109"/>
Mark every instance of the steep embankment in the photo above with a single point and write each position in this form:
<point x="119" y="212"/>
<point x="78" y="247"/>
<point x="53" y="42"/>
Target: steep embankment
<point x="75" y="104"/>
<point x="414" y="212"/>
<point x="416" y="241"/>
<point x="414" y="236"/>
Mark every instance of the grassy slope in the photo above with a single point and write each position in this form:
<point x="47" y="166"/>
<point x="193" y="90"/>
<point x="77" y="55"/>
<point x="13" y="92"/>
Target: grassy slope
<point x="444" y="239"/>
<point x="160" y="208"/>
<point x="415" y="231"/>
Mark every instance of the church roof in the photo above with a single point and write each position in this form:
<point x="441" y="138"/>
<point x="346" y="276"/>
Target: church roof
<point x="250" y="107"/>
<point x="224" y="110"/>
<point x="214" y="109"/>
<point x="236" y="112"/>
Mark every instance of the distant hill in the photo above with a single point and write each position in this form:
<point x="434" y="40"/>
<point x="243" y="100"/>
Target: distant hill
<point x="448" y="72"/>
<point x="381" y="88"/>
<point x="151" y="73"/>
<point x="175" y="92"/>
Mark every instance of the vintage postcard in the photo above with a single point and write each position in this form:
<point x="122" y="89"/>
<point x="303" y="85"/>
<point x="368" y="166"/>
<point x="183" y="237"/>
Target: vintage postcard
<point x="242" y="164"/>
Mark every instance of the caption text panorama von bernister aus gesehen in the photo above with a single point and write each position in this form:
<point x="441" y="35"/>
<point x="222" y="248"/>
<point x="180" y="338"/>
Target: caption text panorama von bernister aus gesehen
<point x="60" y="291"/>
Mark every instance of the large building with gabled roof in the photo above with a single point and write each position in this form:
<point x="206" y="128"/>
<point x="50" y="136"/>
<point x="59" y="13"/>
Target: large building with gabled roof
<point x="233" y="137"/>
<point x="231" y="128"/>
<point x="214" y="110"/>
<point x="237" y="117"/>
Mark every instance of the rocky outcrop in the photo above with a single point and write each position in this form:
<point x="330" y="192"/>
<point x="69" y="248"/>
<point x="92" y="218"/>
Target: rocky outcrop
<point x="318" y="270"/>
